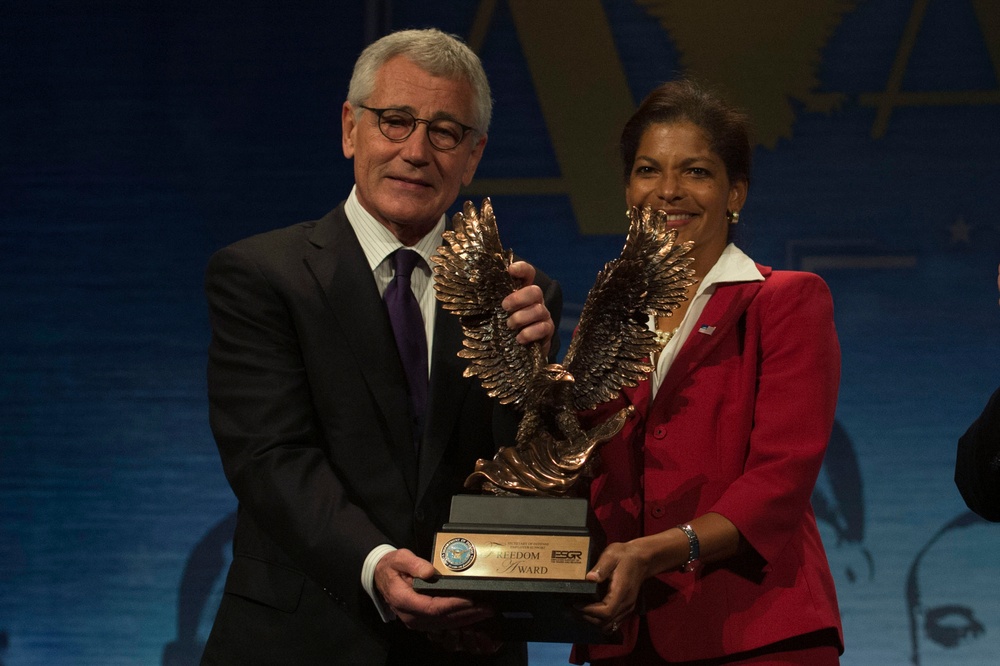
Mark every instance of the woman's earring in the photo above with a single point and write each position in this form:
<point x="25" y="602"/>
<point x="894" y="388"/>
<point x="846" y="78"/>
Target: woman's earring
<point x="733" y="215"/>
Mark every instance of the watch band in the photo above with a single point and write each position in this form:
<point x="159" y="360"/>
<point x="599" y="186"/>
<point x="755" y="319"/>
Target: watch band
<point x="694" y="549"/>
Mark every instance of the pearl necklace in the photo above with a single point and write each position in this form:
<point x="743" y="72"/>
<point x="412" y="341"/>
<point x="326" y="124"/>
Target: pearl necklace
<point x="663" y="337"/>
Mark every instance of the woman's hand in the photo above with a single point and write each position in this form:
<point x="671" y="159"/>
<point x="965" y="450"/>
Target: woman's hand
<point x="624" y="567"/>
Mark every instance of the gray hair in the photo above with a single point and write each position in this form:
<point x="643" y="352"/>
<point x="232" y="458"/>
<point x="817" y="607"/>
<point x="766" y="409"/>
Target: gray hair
<point x="435" y="52"/>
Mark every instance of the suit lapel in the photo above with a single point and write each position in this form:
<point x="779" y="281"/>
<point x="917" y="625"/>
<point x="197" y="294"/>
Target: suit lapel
<point x="339" y="265"/>
<point x="723" y="311"/>
<point x="447" y="393"/>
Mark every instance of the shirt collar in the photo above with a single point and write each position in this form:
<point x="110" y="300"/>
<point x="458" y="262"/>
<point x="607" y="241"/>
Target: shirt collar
<point x="377" y="242"/>
<point x="732" y="266"/>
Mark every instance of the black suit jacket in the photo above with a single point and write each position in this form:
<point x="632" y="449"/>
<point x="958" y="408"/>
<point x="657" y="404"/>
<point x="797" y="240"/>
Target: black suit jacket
<point x="977" y="465"/>
<point x="309" y="408"/>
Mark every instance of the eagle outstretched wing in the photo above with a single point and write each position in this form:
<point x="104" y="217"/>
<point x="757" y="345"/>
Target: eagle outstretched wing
<point x="471" y="280"/>
<point x="611" y="349"/>
<point x="613" y="344"/>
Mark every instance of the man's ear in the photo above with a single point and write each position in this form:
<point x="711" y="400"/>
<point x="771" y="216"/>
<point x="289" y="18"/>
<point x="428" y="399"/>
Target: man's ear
<point x="473" y="161"/>
<point x="348" y="125"/>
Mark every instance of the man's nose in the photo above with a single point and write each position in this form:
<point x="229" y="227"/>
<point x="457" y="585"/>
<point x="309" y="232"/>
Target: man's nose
<point x="417" y="147"/>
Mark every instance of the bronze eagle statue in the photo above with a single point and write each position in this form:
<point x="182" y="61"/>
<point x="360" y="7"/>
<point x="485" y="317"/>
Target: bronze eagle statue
<point x="611" y="349"/>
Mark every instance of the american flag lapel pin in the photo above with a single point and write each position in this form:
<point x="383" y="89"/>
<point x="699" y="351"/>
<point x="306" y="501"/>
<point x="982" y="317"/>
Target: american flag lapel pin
<point x="706" y="329"/>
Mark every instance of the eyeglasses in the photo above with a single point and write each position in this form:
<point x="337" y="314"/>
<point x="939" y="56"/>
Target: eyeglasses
<point x="397" y="125"/>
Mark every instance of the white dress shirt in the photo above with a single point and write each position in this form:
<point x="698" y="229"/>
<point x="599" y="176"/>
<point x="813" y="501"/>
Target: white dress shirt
<point x="378" y="244"/>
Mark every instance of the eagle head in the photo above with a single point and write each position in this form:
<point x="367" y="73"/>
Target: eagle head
<point x="549" y="385"/>
<point x="553" y="372"/>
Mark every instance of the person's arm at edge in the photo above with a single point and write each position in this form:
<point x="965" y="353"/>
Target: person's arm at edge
<point x="977" y="462"/>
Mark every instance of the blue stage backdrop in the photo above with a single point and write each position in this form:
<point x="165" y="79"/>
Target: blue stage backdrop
<point x="137" y="137"/>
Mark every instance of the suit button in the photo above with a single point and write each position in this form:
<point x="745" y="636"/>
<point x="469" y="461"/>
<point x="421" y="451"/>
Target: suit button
<point x="420" y="515"/>
<point x="660" y="432"/>
<point x="338" y="600"/>
<point x="657" y="512"/>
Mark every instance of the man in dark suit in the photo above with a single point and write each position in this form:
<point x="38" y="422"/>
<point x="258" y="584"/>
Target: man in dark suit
<point x="342" y="457"/>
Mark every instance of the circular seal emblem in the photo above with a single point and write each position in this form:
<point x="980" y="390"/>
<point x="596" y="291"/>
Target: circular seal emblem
<point x="458" y="554"/>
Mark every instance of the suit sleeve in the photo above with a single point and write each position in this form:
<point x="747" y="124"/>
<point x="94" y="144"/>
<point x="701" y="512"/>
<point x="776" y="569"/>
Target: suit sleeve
<point x="261" y="413"/>
<point x="977" y="465"/>
<point x="797" y="384"/>
<point x="552" y="293"/>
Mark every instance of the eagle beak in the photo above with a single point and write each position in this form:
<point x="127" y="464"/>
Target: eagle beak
<point x="559" y="373"/>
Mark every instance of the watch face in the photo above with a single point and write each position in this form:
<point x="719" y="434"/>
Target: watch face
<point x="458" y="554"/>
<point x="691" y="566"/>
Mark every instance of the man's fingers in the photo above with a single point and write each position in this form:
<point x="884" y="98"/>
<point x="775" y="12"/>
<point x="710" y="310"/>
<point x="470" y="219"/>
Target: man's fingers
<point x="522" y="271"/>
<point x="523" y="298"/>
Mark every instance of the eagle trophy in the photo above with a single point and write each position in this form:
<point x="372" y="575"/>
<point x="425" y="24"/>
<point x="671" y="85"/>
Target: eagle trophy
<point x="611" y="349"/>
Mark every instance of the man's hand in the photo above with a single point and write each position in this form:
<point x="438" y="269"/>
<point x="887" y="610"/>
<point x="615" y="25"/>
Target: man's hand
<point x="394" y="576"/>
<point x="528" y="314"/>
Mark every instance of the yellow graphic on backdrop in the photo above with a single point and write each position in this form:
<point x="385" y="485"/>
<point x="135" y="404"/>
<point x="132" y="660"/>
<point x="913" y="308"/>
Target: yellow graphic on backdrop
<point x="585" y="99"/>
<point x="762" y="53"/>
<point x="988" y="15"/>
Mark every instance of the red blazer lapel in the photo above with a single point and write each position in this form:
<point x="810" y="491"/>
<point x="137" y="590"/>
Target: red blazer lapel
<point x="720" y="316"/>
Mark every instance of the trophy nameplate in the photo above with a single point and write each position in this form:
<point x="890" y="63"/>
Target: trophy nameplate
<point x="527" y="557"/>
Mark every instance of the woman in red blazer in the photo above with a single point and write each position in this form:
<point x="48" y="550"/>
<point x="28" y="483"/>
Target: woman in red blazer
<point x="703" y="499"/>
